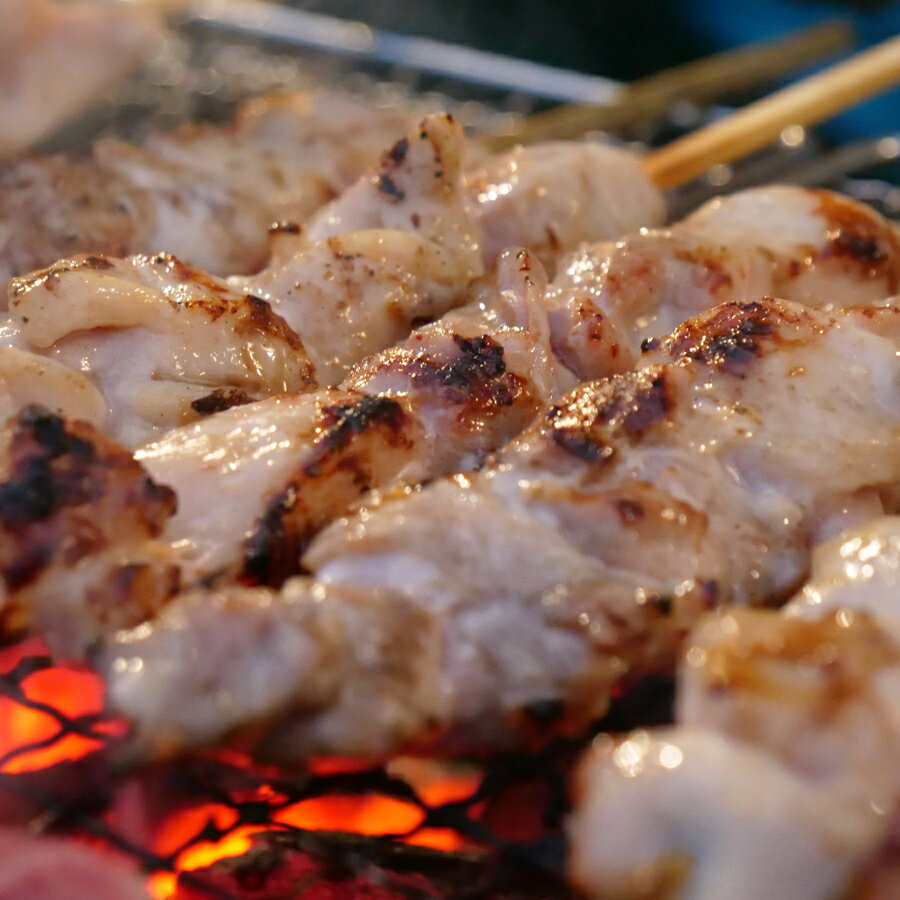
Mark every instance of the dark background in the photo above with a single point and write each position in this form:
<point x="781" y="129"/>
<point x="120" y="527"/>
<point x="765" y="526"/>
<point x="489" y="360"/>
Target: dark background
<point x="628" y="38"/>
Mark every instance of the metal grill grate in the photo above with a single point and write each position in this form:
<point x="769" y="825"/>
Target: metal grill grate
<point x="504" y="821"/>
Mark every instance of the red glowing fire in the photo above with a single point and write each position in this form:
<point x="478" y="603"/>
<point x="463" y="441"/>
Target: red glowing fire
<point x="31" y="736"/>
<point x="58" y="718"/>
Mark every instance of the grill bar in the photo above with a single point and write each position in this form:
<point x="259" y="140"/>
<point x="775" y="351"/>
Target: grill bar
<point x="355" y="39"/>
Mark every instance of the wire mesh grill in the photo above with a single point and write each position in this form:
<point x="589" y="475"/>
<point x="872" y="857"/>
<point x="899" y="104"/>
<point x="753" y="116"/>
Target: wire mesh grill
<point x="500" y="821"/>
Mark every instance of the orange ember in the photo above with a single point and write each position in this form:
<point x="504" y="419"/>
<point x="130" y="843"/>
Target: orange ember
<point x="34" y="735"/>
<point x="73" y="693"/>
<point x="181" y="827"/>
<point x="366" y="814"/>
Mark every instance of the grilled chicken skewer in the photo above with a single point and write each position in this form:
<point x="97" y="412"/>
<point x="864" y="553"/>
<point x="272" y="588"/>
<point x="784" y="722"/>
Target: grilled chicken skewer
<point x="578" y="559"/>
<point x="787" y="748"/>
<point x="210" y="194"/>
<point x="180" y="459"/>
<point x="609" y="296"/>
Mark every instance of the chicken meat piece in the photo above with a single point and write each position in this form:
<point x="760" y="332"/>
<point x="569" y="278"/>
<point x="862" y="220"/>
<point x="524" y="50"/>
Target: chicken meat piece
<point x="436" y="403"/>
<point x="576" y="561"/>
<point x="27" y="379"/>
<point x="207" y="193"/>
<point x="553" y="197"/>
<point x="164" y="342"/>
<point x="808" y="696"/>
<point x="79" y="519"/>
<point x="807" y="246"/>
<point x="55" y="61"/>
<point x="548" y="198"/>
<point x="399" y="247"/>
<point x="691" y="814"/>
<point x="858" y="570"/>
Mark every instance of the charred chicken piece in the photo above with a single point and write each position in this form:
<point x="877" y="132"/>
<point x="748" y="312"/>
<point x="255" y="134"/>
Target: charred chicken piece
<point x="807" y="246"/>
<point x="79" y="519"/>
<point x="398" y="247"/>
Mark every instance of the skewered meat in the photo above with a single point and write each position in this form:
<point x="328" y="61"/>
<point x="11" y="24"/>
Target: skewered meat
<point x="548" y="198"/>
<point x="160" y="339"/>
<point x="808" y="246"/>
<point x="54" y="64"/>
<point x="552" y="197"/>
<point x="166" y="341"/>
<point x="48" y="868"/>
<point x="78" y="519"/>
<point x="808" y="698"/>
<point x="207" y="193"/>
<point x="398" y="247"/>
<point x="579" y="558"/>
<point x="436" y="403"/>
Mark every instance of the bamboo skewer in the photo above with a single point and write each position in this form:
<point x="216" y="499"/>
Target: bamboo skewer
<point x="804" y="103"/>
<point x="701" y="81"/>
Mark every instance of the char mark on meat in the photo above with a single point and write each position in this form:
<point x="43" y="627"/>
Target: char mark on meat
<point x="343" y="452"/>
<point x="219" y="400"/>
<point x="70" y="495"/>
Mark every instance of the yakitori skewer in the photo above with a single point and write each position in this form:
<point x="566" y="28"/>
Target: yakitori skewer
<point x="700" y="81"/>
